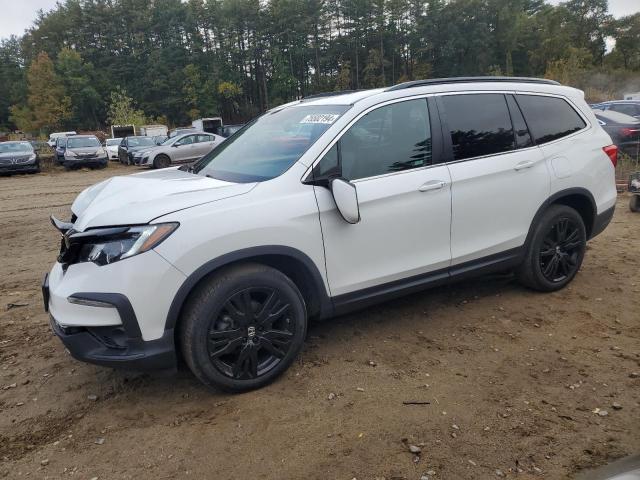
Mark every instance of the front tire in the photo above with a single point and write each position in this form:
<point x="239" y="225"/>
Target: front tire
<point x="243" y="327"/>
<point x="556" y="250"/>
<point x="161" y="161"/>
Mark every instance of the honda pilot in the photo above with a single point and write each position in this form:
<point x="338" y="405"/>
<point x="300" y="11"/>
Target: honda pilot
<point x="325" y="205"/>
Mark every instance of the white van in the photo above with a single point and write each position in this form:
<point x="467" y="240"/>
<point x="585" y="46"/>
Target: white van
<point x="52" y="138"/>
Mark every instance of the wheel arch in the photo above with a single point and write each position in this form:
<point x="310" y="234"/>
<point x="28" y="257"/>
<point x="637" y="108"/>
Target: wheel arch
<point x="290" y="261"/>
<point x="580" y="199"/>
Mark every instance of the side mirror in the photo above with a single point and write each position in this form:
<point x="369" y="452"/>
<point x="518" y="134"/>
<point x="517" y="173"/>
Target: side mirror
<point x="346" y="198"/>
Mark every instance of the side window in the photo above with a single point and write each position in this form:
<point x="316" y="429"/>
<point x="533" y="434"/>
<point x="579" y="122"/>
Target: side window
<point x="520" y="130"/>
<point x="187" y="140"/>
<point x="205" y="138"/>
<point x="479" y="124"/>
<point x="549" y="118"/>
<point x="389" y="139"/>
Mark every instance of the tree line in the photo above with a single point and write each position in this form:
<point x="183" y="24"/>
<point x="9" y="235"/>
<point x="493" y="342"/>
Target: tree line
<point x="173" y="61"/>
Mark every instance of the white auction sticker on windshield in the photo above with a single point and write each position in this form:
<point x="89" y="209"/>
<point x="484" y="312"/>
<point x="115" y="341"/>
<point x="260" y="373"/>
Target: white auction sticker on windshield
<point x="326" y="118"/>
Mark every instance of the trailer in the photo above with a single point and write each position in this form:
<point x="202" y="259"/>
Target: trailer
<point x="153" y="130"/>
<point x="121" y="131"/>
<point x="209" y="125"/>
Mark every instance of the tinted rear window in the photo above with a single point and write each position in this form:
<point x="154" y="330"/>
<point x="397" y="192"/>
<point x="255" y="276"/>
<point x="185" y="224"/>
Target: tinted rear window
<point x="479" y="124"/>
<point x="549" y="118"/>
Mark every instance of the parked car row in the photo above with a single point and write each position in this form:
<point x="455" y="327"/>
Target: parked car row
<point x="71" y="150"/>
<point x="183" y="148"/>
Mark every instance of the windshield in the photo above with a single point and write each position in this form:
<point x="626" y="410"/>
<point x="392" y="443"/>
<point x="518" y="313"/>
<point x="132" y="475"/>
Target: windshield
<point x="170" y="140"/>
<point x="181" y="131"/>
<point x="113" y="141"/>
<point x="16" y="147"/>
<point x="83" y="142"/>
<point x="269" y="145"/>
<point x="140" y="141"/>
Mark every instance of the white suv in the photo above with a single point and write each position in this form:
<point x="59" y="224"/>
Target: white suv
<point x="325" y="205"/>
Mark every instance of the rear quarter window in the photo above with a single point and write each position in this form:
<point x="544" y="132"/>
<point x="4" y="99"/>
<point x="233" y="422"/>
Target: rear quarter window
<point x="549" y="118"/>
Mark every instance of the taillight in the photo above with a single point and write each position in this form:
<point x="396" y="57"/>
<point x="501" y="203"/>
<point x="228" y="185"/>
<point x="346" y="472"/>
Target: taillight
<point x="612" y="153"/>
<point x="627" y="132"/>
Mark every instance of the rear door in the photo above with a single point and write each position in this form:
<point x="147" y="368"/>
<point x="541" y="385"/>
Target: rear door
<point x="499" y="179"/>
<point x="205" y="143"/>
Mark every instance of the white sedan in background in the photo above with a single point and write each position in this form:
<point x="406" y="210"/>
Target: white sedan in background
<point x="111" y="146"/>
<point x="185" y="148"/>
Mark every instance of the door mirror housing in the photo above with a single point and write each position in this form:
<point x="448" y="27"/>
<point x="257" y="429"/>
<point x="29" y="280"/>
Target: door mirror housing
<point x="346" y="198"/>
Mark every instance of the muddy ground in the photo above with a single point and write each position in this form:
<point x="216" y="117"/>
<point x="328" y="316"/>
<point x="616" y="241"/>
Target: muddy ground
<point x="513" y="378"/>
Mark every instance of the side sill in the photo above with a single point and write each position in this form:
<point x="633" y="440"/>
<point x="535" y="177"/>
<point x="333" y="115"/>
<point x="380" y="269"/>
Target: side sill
<point x="502" y="261"/>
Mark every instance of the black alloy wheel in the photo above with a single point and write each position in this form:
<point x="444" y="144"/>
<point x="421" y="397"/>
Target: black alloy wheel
<point x="242" y="327"/>
<point x="251" y="334"/>
<point x="560" y="250"/>
<point x="555" y="250"/>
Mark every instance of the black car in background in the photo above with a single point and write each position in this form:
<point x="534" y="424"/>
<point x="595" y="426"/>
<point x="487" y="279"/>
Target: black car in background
<point x="627" y="107"/>
<point x="229" y="130"/>
<point x="130" y="145"/>
<point x="18" y="156"/>
<point x="60" y="146"/>
<point x="624" y="130"/>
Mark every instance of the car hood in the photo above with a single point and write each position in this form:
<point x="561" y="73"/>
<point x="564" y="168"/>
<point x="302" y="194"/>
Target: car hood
<point x="142" y="197"/>
<point x="16" y="154"/>
<point x="85" y="150"/>
<point x="140" y="147"/>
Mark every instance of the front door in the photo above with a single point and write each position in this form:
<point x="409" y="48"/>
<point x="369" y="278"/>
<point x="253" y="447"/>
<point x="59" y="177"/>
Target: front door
<point x="404" y="199"/>
<point x="186" y="149"/>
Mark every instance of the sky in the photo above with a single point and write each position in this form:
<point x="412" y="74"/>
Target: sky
<point x="17" y="15"/>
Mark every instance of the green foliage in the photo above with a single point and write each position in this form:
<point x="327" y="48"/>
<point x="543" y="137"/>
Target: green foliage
<point x="183" y="59"/>
<point x="122" y="110"/>
<point x="78" y="80"/>
<point x="47" y="107"/>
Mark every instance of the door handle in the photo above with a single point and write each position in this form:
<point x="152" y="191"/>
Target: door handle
<point x="432" y="185"/>
<point x="523" y="165"/>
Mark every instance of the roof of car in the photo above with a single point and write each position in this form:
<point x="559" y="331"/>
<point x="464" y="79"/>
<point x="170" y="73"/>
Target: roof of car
<point x="609" y="102"/>
<point x="431" y="85"/>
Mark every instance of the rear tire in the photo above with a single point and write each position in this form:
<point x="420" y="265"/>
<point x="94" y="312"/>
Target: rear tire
<point x="556" y="250"/>
<point x="243" y="327"/>
<point x="634" y="203"/>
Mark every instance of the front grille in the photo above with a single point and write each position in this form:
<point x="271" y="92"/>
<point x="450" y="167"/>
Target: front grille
<point x="87" y="155"/>
<point x="14" y="160"/>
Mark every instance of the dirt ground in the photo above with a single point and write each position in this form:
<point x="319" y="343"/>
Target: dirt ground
<point x="513" y="378"/>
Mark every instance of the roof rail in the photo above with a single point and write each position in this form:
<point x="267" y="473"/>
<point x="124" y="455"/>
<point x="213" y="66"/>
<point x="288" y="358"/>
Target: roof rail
<point x="326" y="94"/>
<point x="441" y="81"/>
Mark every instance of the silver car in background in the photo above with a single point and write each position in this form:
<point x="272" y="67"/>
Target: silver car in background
<point x="184" y="148"/>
